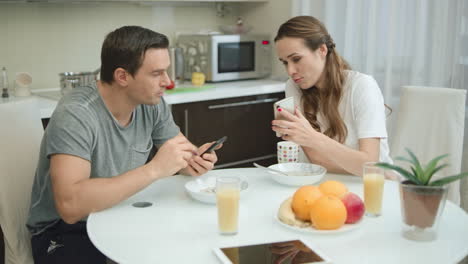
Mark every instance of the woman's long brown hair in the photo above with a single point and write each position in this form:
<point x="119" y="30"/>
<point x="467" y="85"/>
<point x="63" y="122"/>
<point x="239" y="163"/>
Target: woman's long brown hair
<point x="326" y="99"/>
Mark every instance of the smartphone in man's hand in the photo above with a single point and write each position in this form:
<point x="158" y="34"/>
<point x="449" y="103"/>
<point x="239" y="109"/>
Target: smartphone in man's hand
<point x="214" y="145"/>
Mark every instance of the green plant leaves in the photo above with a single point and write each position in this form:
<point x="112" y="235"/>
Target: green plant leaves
<point x="448" y="179"/>
<point x="420" y="175"/>
<point x="400" y="170"/>
<point x="418" y="170"/>
<point x="431" y="168"/>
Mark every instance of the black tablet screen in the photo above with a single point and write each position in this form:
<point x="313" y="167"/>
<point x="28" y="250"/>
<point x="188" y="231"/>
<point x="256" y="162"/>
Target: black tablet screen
<point x="285" y="252"/>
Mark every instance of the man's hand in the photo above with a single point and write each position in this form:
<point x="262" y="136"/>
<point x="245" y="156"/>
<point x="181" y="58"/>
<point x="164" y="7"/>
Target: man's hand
<point x="199" y="165"/>
<point x="172" y="156"/>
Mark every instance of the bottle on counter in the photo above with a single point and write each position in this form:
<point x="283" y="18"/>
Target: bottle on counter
<point x="4" y="83"/>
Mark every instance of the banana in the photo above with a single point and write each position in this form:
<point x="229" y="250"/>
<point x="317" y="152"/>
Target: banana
<point x="286" y="215"/>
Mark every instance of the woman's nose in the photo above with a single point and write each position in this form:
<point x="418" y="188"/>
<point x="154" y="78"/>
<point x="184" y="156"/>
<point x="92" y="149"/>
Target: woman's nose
<point x="291" y="69"/>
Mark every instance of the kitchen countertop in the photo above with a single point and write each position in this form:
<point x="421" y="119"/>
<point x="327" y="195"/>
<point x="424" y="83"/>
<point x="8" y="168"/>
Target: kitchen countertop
<point x="227" y="90"/>
<point x="45" y="105"/>
<point x="48" y="98"/>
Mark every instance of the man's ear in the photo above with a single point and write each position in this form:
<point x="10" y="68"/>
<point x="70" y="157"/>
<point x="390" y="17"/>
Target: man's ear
<point x="121" y="76"/>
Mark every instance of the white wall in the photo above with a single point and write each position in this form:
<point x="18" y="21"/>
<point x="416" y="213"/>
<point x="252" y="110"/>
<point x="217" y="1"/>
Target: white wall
<point x="266" y="18"/>
<point x="45" y="39"/>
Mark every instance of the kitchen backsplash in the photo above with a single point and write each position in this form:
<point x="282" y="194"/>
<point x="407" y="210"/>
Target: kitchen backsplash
<point x="45" y="39"/>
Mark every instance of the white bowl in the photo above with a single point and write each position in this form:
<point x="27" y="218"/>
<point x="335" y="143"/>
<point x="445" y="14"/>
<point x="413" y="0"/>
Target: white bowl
<point x="203" y="189"/>
<point x="299" y="173"/>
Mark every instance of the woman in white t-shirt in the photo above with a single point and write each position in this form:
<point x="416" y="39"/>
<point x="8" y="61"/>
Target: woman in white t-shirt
<point x="340" y="114"/>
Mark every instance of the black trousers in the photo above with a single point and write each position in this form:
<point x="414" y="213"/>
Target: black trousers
<point x="64" y="243"/>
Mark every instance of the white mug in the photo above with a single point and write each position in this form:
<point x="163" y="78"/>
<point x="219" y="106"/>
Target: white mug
<point x="287" y="152"/>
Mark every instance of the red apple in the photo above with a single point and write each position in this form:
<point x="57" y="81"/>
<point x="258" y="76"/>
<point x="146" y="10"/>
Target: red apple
<point x="170" y="86"/>
<point x="354" y="207"/>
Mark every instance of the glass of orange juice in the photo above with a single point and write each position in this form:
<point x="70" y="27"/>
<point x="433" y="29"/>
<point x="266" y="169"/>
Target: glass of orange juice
<point x="373" y="178"/>
<point x="227" y="201"/>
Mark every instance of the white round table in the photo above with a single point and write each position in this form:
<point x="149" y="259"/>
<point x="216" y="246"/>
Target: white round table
<point x="178" y="229"/>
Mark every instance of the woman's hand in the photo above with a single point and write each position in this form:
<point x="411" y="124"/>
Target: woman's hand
<point x="296" y="128"/>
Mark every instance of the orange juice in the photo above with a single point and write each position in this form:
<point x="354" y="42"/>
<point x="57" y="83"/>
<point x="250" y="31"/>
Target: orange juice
<point x="228" y="209"/>
<point x="373" y="192"/>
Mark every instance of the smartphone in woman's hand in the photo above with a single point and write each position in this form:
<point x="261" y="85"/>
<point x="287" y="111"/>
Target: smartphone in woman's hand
<point x="286" y="104"/>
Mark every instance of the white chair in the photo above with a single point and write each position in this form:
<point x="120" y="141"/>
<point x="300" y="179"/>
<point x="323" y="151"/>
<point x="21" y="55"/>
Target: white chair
<point x="20" y="135"/>
<point x="430" y="122"/>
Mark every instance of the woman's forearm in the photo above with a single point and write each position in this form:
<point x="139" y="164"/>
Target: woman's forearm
<point x="316" y="158"/>
<point x="340" y="158"/>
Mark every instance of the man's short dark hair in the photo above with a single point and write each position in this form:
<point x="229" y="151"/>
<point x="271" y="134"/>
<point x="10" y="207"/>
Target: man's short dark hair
<point x="125" y="48"/>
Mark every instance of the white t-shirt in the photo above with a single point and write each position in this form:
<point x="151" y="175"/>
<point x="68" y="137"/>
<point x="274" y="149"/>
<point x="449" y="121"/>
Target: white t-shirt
<point x="362" y="109"/>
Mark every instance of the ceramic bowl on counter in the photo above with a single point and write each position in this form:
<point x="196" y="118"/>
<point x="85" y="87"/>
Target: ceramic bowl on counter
<point x="298" y="174"/>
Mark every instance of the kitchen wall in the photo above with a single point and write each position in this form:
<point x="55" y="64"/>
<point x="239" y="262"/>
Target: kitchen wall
<point x="267" y="18"/>
<point x="45" y="39"/>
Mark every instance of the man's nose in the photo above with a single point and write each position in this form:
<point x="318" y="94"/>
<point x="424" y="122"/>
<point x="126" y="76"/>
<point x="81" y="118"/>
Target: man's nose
<point x="165" y="81"/>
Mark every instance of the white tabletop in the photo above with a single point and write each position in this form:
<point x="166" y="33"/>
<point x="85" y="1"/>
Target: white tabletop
<point x="177" y="229"/>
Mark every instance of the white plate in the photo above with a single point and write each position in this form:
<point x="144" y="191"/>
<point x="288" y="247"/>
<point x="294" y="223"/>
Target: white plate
<point x="314" y="173"/>
<point x="345" y="228"/>
<point x="202" y="189"/>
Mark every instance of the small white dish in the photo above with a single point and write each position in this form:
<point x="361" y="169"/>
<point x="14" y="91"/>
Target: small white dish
<point x="312" y="230"/>
<point x="298" y="173"/>
<point x="203" y="189"/>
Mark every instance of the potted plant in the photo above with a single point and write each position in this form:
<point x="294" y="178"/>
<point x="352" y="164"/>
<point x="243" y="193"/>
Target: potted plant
<point x="422" y="199"/>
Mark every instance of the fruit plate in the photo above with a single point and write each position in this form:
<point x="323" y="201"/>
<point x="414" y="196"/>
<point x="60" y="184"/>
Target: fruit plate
<point x="345" y="228"/>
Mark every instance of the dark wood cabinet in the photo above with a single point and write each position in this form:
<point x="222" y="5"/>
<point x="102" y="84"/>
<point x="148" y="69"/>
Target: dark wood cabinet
<point x="246" y="121"/>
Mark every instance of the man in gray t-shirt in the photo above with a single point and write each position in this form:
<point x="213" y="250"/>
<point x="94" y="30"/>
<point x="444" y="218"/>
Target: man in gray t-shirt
<point x="96" y="144"/>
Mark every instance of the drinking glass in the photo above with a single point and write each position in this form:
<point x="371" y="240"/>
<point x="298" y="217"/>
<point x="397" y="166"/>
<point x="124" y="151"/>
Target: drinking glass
<point x="373" y="178"/>
<point x="227" y="201"/>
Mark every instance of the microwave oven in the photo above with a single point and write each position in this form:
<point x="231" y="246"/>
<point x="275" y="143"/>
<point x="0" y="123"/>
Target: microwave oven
<point x="226" y="57"/>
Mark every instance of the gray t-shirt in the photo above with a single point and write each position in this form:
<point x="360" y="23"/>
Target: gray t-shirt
<point x="82" y="126"/>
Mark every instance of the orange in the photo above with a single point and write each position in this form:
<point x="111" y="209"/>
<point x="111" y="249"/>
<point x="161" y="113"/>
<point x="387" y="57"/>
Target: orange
<point x="303" y="199"/>
<point x="328" y="212"/>
<point x="334" y="188"/>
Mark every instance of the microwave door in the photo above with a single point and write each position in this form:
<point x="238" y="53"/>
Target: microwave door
<point x="233" y="60"/>
<point x="236" y="57"/>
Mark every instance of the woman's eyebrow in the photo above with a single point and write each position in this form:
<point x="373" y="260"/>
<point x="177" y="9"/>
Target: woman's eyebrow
<point x="292" y="54"/>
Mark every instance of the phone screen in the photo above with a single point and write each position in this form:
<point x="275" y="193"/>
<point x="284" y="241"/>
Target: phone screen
<point x="285" y="252"/>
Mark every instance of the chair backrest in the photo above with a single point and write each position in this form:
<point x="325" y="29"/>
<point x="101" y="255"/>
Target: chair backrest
<point x="430" y="122"/>
<point x="20" y="135"/>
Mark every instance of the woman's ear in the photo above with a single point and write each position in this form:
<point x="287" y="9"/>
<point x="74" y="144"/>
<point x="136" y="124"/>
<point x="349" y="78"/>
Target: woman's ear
<point x="121" y="77"/>
<point x="323" y="50"/>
